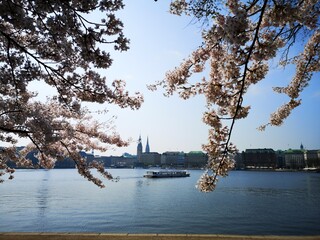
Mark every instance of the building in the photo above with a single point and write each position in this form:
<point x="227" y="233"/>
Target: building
<point x="294" y="159"/>
<point x="151" y="159"/>
<point x="147" y="146"/>
<point x="105" y="160"/>
<point x="147" y="158"/>
<point x="280" y="159"/>
<point x="259" y="158"/>
<point x="312" y="158"/>
<point x="124" y="161"/>
<point x="173" y="159"/>
<point x="196" y="159"/>
<point x="238" y="161"/>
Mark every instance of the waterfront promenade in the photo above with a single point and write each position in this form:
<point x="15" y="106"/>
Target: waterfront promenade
<point x="103" y="236"/>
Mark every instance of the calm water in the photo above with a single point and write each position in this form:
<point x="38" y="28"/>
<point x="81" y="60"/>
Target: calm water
<point x="273" y="203"/>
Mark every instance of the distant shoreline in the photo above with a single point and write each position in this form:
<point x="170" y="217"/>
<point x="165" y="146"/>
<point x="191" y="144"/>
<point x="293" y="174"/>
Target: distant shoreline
<point x="279" y="170"/>
<point x="317" y="170"/>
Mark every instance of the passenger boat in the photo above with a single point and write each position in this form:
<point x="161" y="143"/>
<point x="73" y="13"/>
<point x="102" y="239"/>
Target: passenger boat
<point x="166" y="174"/>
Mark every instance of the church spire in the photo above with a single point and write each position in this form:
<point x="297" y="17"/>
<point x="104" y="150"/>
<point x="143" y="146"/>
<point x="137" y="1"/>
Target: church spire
<point x="147" y="146"/>
<point x="301" y="147"/>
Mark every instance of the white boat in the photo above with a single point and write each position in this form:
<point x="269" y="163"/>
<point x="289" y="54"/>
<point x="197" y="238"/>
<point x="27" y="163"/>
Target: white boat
<point x="166" y="174"/>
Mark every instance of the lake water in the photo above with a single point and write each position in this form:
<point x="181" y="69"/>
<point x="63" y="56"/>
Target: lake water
<point x="246" y="202"/>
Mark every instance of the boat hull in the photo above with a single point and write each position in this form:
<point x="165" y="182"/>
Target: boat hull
<point x="166" y="174"/>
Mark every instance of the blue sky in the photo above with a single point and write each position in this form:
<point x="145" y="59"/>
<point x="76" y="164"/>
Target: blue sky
<point x="159" y="42"/>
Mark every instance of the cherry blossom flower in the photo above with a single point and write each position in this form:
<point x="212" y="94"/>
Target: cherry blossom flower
<point x="56" y="44"/>
<point x="240" y="39"/>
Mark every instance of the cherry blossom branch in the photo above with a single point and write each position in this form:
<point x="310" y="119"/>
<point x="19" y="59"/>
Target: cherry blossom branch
<point x="10" y="130"/>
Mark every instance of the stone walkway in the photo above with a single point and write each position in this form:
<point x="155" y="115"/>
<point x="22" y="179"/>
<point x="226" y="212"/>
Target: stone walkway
<point x="102" y="236"/>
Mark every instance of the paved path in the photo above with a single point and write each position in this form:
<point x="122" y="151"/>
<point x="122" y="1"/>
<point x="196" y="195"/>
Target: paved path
<point x="102" y="236"/>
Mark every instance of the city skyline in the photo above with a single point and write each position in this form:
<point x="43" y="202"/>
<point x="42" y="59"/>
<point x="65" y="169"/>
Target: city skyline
<point x="145" y="148"/>
<point x="159" y="42"/>
<point x="259" y="158"/>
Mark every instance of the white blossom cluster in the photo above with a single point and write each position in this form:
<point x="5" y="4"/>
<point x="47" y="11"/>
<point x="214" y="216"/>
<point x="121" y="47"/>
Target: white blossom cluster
<point x="56" y="44"/>
<point x="239" y="43"/>
<point x="207" y="182"/>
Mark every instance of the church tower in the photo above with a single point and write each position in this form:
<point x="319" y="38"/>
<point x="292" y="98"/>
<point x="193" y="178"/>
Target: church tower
<point x="147" y="146"/>
<point x="139" y="149"/>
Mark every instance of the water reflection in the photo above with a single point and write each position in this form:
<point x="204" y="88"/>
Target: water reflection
<point x="139" y="183"/>
<point x="42" y="198"/>
<point x="264" y="192"/>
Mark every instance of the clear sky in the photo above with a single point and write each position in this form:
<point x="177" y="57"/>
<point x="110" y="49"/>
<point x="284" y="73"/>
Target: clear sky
<point x="159" y="42"/>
